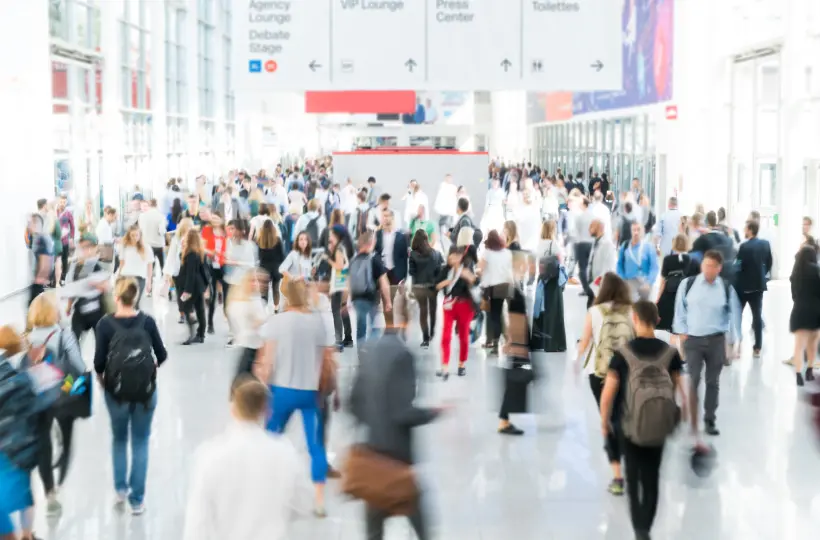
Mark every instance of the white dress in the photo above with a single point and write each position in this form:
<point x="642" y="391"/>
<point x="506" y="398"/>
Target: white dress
<point x="528" y="221"/>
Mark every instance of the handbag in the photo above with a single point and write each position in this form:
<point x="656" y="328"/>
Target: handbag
<point x="380" y="481"/>
<point x="106" y="253"/>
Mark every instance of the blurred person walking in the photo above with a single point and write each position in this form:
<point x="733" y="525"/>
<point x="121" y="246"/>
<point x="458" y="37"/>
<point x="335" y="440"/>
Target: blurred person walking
<point x="246" y="483"/>
<point x="246" y="313"/>
<point x="240" y="258"/>
<point x="136" y="262"/>
<point x="193" y="286"/>
<point x="804" y="321"/>
<point x="495" y="268"/>
<point x="367" y="284"/>
<point x="173" y="262"/>
<point x="215" y="239"/>
<point x="382" y="400"/>
<point x="271" y="256"/>
<point x="297" y="349"/>
<point x="153" y="226"/>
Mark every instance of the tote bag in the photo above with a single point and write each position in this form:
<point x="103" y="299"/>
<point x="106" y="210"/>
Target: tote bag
<point x="339" y="278"/>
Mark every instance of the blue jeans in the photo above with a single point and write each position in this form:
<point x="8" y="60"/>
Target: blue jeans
<point x="365" y="312"/>
<point x="138" y="417"/>
<point x="284" y="402"/>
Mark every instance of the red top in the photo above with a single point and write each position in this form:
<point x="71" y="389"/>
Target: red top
<point x="215" y="244"/>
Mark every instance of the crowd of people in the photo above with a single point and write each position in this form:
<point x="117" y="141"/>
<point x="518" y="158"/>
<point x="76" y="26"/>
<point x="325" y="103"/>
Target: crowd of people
<point x="295" y="257"/>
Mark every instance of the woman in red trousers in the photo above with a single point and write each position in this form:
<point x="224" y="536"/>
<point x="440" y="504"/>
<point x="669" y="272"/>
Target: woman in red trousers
<point x="456" y="280"/>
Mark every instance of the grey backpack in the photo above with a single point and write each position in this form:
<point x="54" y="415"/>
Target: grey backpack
<point x="361" y="275"/>
<point x="650" y="411"/>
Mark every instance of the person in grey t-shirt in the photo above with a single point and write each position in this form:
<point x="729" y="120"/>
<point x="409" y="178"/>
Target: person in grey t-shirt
<point x="296" y="348"/>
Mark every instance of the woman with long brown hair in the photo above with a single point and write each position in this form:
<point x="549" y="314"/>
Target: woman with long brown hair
<point x="608" y="324"/>
<point x="192" y="285"/>
<point x="174" y="261"/>
<point x="271" y="256"/>
<point x="425" y="263"/>
<point x="136" y="261"/>
<point x="299" y="262"/>
<point x="496" y="271"/>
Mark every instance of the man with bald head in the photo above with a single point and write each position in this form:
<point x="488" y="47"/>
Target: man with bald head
<point x="603" y="257"/>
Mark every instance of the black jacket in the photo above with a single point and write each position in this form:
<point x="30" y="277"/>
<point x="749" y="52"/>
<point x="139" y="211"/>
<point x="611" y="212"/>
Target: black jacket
<point x="461" y="288"/>
<point x="400" y="253"/>
<point x="270" y="259"/>
<point x="192" y="275"/>
<point x="424" y="269"/>
<point x="754" y="262"/>
<point x="383" y="396"/>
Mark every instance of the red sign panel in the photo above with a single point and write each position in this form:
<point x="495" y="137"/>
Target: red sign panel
<point x="361" y="102"/>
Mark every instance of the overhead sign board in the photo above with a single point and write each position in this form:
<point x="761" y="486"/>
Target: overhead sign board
<point x="427" y="45"/>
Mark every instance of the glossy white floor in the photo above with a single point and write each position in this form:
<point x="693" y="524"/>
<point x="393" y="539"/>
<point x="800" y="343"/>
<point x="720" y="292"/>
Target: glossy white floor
<point x="551" y="483"/>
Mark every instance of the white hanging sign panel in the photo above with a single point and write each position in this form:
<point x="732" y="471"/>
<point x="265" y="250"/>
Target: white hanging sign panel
<point x="541" y="45"/>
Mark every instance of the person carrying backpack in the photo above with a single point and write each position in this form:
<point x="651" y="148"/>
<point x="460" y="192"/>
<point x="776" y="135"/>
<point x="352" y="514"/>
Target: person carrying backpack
<point x="312" y="223"/>
<point x="127" y="371"/>
<point x="367" y="282"/>
<point x="641" y="382"/>
<point x="608" y="326"/>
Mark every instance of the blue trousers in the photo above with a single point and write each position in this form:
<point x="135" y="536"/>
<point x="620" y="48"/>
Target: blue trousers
<point x="366" y="312"/>
<point x="136" y="418"/>
<point x="284" y="401"/>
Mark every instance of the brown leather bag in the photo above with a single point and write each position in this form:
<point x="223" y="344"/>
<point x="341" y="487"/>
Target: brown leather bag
<point x="380" y="481"/>
<point x="327" y="378"/>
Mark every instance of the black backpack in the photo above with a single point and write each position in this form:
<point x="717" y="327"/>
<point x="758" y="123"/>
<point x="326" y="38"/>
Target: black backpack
<point x="312" y="230"/>
<point x="18" y="438"/>
<point x="550" y="267"/>
<point x="130" y="370"/>
<point x="676" y="277"/>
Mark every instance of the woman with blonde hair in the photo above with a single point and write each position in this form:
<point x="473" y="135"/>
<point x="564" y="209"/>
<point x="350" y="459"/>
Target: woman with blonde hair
<point x="192" y="285"/>
<point x="174" y="260"/>
<point x="50" y="343"/>
<point x="136" y="261"/>
<point x="548" y="244"/>
<point x="131" y="402"/>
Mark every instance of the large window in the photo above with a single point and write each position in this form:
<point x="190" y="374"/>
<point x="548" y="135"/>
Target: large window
<point x="230" y="100"/>
<point x="205" y="58"/>
<point x="75" y="22"/>
<point x="135" y="54"/>
<point x="176" y="85"/>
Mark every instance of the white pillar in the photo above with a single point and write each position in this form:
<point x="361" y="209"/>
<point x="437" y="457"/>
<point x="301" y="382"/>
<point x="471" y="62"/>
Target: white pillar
<point x="159" y="101"/>
<point x="191" y="38"/>
<point x="794" y="131"/>
<point x="113" y="137"/>
<point x="26" y="158"/>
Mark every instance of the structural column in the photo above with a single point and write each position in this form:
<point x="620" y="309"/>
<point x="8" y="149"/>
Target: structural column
<point x="113" y="136"/>
<point x="795" y="131"/>
<point x="193" y="145"/>
<point x="159" y="98"/>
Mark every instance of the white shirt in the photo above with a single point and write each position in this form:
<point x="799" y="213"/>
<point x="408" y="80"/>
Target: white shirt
<point x="246" y="319"/>
<point x="388" y="241"/>
<point x="242" y="257"/>
<point x="415" y="200"/>
<point x="247" y="484"/>
<point x="498" y="267"/>
<point x="601" y="213"/>
<point x="134" y="264"/>
<point x="152" y="224"/>
<point x="104" y="233"/>
<point x="296" y="264"/>
<point x="446" y="199"/>
<point x="347" y="199"/>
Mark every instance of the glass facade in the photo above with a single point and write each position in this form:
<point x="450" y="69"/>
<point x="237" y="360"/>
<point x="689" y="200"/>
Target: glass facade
<point x="623" y="148"/>
<point x="125" y="42"/>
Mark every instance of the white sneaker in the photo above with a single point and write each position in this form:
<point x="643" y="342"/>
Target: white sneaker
<point x="122" y="498"/>
<point x="138" y="509"/>
<point x="53" y="506"/>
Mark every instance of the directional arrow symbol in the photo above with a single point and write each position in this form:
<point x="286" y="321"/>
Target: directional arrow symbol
<point x="411" y="64"/>
<point x="598" y="65"/>
<point x="314" y="65"/>
<point x="506" y="64"/>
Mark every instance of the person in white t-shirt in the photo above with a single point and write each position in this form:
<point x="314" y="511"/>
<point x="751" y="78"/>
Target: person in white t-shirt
<point x="246" y="482"/>
<point x="445" y="206"/>
<point x="136" y="261"/>
<point x="415" y="198"/>
<point x="348" y="200"/>
<point x="105" y="238"/>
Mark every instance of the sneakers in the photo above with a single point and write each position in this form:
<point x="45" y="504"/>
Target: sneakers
<point x="711" y="428"/>
<point x="510" y="429"/>
<point x="53" y="506"/>
<point x="211" y="329"/>
<point x="137" y="509"/>
<point x="348" y="343"/>
<point x="193" y="339"/>
<point x="122" y="498"/>
<point x="462" y="371"/>
<point x="229" y="344"/>
<point x="425" y="344"/>
<point x="443" y="374"/>
<point x="616" y="487"/>
<point x="800" y="379"/>
<point x="756" y="353"/>
<point x="809" y="374"/>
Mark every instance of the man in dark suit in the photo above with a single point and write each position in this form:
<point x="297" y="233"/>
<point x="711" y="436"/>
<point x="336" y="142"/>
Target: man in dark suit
<point x="393" y="250"/>
<point x="382" y="399"/>
<point x="754" y="263"/>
